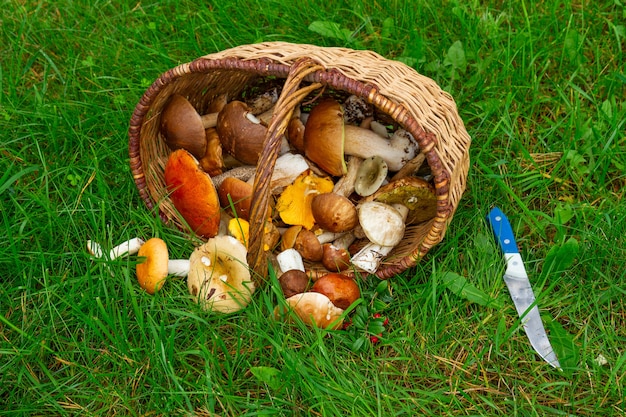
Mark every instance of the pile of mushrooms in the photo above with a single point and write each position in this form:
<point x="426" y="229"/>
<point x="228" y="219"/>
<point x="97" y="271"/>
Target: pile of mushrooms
<point x="344" y="188"/>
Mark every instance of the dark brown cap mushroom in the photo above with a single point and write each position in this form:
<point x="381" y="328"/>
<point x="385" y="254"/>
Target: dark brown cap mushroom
<point x="241" y="133"/>
<point x="182" y="126"/>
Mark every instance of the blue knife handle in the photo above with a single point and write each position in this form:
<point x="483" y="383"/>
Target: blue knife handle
<point x="502" y="230"/>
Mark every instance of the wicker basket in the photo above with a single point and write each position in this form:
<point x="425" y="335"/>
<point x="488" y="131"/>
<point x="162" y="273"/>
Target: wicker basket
<point x="413" y="101"/>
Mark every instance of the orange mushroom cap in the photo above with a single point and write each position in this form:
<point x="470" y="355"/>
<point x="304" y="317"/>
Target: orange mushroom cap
<point x="192" y="193"/>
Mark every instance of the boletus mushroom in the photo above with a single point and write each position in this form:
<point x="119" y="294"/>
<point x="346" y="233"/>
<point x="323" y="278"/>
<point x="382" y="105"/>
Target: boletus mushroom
<point x="327" y="139"/>
<point x="182" y="126"/>
<point x="219" y="278"/>
<point x="241" y="133"/>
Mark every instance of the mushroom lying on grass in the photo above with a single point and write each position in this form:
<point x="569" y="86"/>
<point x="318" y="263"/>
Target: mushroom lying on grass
<point x="313" y="308"/>
<point x="219" y="278"/>
<point x="152" y="272"/>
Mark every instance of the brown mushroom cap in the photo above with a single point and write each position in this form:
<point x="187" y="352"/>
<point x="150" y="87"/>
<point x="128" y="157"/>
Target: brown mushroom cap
<point x="334" y="258"/>
<point x="293" y="282"/>
<point x="241" y="137"/>
<point x="239" y="193"/>
<point x="334" y="213"/>
<point x="152" y="272"/>
<point x="340" y="289"/>
<point x="324" y="137"/>
<point x="415" y="193"/>
<point x="182" y="126"/>
<point x="192" y="192"/>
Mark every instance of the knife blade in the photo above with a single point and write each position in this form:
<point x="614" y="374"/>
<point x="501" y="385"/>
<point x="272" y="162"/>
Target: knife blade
<point x="521" y="292"/>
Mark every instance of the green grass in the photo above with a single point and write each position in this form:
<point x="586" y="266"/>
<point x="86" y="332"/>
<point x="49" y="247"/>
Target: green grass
<point x="541" y="88"/>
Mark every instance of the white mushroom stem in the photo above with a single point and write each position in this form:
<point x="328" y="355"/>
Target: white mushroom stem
<point x="345" y="185"/>
<point x="344" y="241"/>
<point x="364" y="143"/>
<point x="290" y="259"/>
<point x="372" y="254"/>
<point x="327" y="237"/>
<point x="130" y="247"/>
<point x="178" y="267"/>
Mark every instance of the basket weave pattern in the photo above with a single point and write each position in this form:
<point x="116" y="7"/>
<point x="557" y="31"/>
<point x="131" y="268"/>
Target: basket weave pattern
<point x="414" y="102"/>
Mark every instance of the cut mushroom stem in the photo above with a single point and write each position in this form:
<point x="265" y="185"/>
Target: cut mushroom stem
<point x="372" y="254"/>
<point x="290" y="259"/>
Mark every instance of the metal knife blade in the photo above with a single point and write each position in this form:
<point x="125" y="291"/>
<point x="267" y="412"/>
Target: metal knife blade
<point x="517" y="282"/>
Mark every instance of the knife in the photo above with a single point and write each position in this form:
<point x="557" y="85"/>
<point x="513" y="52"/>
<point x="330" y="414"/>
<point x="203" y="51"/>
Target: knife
<point x="517" y="282"/>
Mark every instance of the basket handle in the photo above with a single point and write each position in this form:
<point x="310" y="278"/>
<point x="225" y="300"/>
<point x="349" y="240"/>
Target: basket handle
<point x="292" y="94"/>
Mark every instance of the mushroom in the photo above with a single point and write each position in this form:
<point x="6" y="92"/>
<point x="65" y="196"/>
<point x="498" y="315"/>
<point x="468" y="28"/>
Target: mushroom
<point x="241" y="133"/>
<point x="372" y="254"/>
<point x="183" y="127"/>
<point x="130" y="247"/>
<point x="340" y="289"/>
<point x="334" y="212"/>
<point x="219" y="278"/>
<point x="294" y="203"/>
<point x="357" y="109"/>
<point x="192" y="192"/>
<point x="235" y="195"/>
<point x="313" y="308"/>
<point x="382" y="223"/>
<point x="370" y="176"/>
<point x="304" y="241"/>
<point x="293" y="282"/>
<point x="416" y="194"/>
<point x="327" y="139"/>
<point x="335" y="258"/>
<point x="153" y="271"/>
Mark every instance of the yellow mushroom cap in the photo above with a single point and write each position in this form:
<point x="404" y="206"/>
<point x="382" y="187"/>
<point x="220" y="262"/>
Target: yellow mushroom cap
<point x="294" y="204"/>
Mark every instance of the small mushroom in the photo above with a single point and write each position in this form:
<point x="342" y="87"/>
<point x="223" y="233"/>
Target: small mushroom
<point x="304" y="241"/>
<point x="294" y="203"/>
<point x="327" y="139"/>
<point x="236" y="194"/>
<point x="182" y="126"/>
<point x="340" y="289"/>
<point x="219" y="278"/>
<point x="293" y="282"/>
<point x="153" y="271"/>
<point x="334" y="212"/>
<point x="370" y="176"/>
<point x="313" y="308"/>
<point x="241" y="133"/>
<point x="192" y="192"/>
<point x="335" y="258"/>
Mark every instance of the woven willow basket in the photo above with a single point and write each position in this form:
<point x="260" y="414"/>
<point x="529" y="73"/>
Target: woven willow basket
<point x="414" y="102"/>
